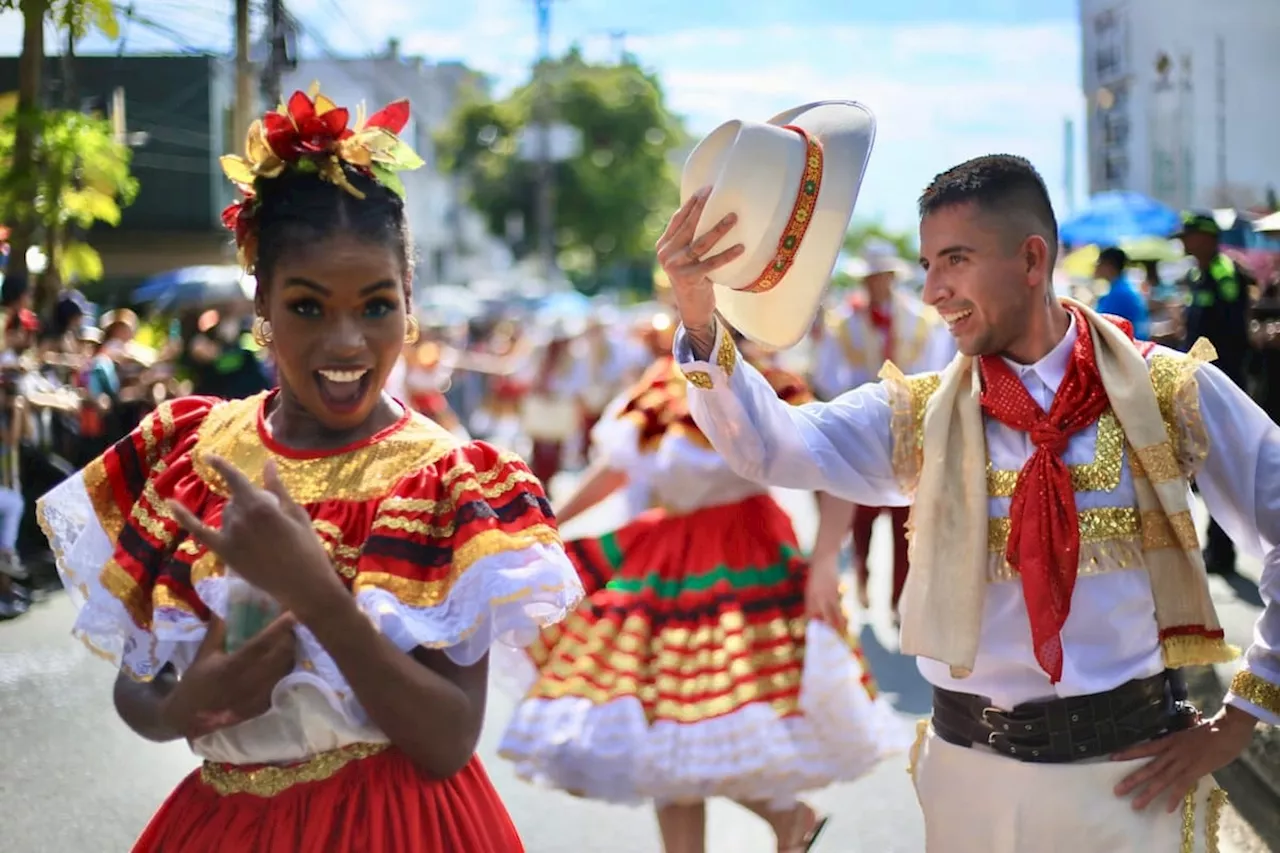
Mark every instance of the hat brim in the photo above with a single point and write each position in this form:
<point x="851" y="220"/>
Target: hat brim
<point x="781" y="317"/>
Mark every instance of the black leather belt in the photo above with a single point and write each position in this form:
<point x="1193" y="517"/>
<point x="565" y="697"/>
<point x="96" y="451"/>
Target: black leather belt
<point x="1072" y="729"/>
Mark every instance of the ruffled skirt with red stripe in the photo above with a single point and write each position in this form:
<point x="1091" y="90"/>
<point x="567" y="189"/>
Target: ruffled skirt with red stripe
<point x="379" y="803"/>
<point x="690" y="670"/>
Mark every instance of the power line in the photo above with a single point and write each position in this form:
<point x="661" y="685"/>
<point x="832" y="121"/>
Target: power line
<point x="131" y="15"/>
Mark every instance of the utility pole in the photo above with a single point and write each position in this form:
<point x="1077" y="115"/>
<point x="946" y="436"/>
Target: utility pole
<point x="278" y="59"/>
<point x="245" y="105"/>
<point x="1220" y="102"/>
<point x="542" y="125"/>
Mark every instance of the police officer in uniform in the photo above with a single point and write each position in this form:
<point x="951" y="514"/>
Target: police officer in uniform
<point x="1218" y="310"/>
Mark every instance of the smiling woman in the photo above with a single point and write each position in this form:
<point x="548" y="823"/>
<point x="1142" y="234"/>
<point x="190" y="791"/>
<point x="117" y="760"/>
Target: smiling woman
<point x="397" y="553"/>
<point x="335" y="272"/>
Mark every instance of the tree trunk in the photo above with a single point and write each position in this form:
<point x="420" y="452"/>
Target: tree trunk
<point x="22" y="174"/>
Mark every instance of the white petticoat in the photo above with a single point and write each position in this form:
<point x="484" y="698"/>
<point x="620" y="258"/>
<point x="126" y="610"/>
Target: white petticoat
<point x="610" y="752"/>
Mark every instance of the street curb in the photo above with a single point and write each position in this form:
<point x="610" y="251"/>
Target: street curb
<point x="1251" y="781"/>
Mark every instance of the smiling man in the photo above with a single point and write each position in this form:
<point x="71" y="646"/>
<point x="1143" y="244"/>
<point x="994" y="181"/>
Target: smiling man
<point x="1056" y="584"/>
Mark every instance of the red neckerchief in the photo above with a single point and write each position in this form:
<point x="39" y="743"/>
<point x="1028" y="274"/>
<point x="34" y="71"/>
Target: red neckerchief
<point x="1044" y="535"/>
<point x="882" y="322"/>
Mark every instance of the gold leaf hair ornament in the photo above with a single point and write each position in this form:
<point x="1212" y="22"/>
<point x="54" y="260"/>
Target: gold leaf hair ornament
<point x="310" y="133"/>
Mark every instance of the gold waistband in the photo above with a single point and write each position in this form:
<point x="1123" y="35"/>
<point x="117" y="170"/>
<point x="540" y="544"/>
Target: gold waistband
<point x="272" y="779"/>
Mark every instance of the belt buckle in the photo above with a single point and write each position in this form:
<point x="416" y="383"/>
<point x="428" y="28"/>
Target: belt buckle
<point x="993" y="734"/>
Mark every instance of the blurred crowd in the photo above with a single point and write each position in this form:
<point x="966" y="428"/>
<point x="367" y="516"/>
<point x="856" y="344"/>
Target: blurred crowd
<point x="73" y="380"/>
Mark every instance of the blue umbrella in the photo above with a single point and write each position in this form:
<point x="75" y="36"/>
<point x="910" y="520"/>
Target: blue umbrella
<point x="564" y="303"/>
<point x="1121" y="215"/>
<point x="188" y="287"/>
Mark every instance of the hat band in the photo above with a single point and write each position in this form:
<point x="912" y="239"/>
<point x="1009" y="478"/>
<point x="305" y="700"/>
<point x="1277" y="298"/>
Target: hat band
<point x="798" y="222"/>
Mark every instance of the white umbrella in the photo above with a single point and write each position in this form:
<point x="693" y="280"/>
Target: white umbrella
<point x="1268" y="224"/>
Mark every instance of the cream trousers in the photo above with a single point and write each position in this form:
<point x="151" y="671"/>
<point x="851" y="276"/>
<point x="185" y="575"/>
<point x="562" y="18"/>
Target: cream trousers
<point x="976" y="801"/>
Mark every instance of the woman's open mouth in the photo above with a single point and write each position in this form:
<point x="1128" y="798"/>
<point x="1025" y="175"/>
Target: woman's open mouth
<point x="342" y="391"/>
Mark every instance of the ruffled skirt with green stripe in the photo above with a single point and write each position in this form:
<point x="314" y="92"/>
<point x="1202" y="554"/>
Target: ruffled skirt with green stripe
<point x="690" y="670"/>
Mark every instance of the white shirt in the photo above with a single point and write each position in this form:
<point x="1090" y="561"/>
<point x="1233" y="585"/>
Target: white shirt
<point x="845" y="447"/>
<point x="850" y="352"/>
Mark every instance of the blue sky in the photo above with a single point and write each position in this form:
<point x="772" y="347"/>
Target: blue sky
<point x="945" y="85"/>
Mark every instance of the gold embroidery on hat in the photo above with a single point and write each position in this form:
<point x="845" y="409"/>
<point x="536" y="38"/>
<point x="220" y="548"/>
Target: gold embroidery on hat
<point x="798" y="222"/>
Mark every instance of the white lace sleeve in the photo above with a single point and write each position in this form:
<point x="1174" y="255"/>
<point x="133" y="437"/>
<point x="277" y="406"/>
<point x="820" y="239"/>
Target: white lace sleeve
<point x="102" y="590"/>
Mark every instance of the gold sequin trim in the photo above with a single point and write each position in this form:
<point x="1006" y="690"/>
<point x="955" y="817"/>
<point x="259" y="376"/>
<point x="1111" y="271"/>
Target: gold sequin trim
<point x="1158" y="462"/>
<point x="1096" y="525"/>
<point x="227" y="779"/>
<point x="1257" y="691"/>
<point x="913" y="757"/>
<point x="1213" y="820"/>
<point x="429" y="593"/>
<point x="1188" y="823"/>
<point x="1163" y="531"/>
<point x="727" y="354"/>
<point x="1100" y="475"/>
<point x="480" y="483"/>
<point x="908" y="398"/>
<point x="230" y="431"/>
<point x="1173" y="378"/>
<point x="698" y="379"/>
<point x="1096" y="558"/>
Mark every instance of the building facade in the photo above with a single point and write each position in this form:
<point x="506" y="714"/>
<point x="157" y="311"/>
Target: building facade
<point x="178" y="115"/>
<point x="1180" y="99"/>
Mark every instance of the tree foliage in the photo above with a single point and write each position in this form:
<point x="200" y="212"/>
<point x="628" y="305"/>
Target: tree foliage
<point x="861" y="232"/>
<point x="82" y="178"/>
<point x="80" y="17"/>
<point x="23" y="182"/>
<point x="612" y="199"/>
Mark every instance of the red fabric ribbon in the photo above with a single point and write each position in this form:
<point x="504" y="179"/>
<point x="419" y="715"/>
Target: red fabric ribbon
<point x="882" y="322"/>
<point x="1044" y="536"/>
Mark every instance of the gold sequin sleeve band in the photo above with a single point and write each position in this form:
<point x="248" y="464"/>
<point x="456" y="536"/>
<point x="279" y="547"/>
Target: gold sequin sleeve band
<point x="709" y="375"/>
<point x="1258" y="692"/>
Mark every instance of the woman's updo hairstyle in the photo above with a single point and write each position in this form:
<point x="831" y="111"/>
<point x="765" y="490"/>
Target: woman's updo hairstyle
<point x="309" y="172"/>
<point x="298" y="209"/>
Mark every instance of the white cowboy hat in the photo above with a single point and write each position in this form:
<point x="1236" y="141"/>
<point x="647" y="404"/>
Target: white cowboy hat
<point x="793" y="182"/>
<point x="880" y="256"/>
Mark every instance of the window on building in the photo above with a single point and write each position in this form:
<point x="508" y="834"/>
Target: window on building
<point x="1115" y="168"/>
<point x="1115" y="130"/>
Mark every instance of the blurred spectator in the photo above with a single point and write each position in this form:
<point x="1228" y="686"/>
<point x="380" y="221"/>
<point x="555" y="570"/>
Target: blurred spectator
<point x="222" y="362"/>
<point x="1219" y="312"/>
<point x="1122" y="299"/>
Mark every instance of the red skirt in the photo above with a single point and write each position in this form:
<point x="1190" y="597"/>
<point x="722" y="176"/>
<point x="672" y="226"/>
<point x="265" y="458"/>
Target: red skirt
<point x="662" y="593"/>
<point x="371" y="803"/>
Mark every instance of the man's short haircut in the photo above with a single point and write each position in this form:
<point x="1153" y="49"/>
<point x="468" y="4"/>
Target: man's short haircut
<point x="1114" y="257"/>
<point x="1003" y="186"/>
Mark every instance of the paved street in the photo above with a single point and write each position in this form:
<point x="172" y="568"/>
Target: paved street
<point x="73" y="778"/>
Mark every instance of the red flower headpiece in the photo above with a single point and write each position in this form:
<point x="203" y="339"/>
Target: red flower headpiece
<point x="310" y="133"/>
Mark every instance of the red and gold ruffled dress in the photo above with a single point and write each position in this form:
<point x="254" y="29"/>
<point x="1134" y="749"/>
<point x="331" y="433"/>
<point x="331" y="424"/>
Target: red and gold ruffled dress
<point x="690" y="670"/>
<point x="444" y="544"/>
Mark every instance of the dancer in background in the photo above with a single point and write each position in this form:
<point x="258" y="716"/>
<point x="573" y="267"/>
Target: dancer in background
<point x="349" y="720"/>
<point x="708" y="659"/>
<point x="883" y="322"/>
<point x="551" y="411"/>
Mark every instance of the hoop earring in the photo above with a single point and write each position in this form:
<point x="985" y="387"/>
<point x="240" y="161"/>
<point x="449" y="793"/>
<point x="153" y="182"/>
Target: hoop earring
<point x="261" y="331"/>
<point x="412" y="329"/>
